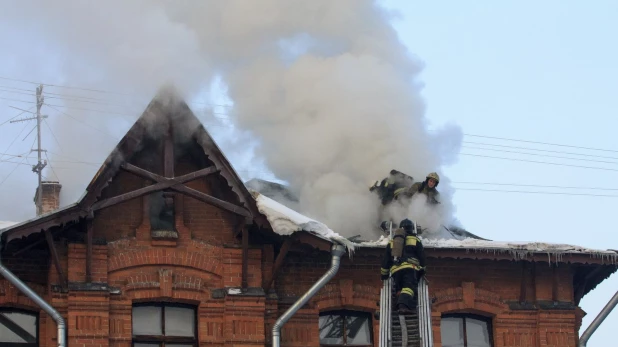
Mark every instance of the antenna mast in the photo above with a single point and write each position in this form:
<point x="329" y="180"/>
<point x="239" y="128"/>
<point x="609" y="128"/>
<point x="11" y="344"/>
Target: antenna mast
<point x="38" y="168"/>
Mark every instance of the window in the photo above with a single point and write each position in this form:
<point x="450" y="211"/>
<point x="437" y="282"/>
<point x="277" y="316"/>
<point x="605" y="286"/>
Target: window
<point x="164" y="324"/>
<point x="18" y="328"/>
<point x="465" y="331"/>
<point x="345" y="328"/>
<point x="161" y="212"/>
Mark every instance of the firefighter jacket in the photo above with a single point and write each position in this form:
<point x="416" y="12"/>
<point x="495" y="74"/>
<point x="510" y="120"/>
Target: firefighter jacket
<point x="419" y="187"/>
<point x="413" y="257"/>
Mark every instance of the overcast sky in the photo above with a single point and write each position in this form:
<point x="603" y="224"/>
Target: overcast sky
<point x="521" y="70"/>
<point x="535" y="71"/>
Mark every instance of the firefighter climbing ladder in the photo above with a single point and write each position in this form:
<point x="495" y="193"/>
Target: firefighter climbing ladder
<point x="412" y="330"/>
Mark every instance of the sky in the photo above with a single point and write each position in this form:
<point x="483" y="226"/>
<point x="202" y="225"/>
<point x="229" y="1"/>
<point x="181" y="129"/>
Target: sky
<point x="521" y="70"/>
<point x="534" y="71"/>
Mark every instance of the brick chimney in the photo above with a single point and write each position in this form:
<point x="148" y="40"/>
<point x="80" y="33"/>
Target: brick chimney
<point x="50" y="198"/>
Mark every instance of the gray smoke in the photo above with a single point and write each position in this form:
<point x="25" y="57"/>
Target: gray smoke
<point x="327" y="91"/>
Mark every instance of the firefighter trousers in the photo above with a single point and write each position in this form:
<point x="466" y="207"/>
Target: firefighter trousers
<point x="406" y="282"/>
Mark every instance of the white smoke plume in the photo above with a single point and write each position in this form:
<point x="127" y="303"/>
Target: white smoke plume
<point x="326" y="88"/>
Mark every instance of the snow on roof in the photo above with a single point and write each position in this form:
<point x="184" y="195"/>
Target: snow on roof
<point x="286" y="221"/>
<point x="519" y="250"/>
<point x="5" y="225"/>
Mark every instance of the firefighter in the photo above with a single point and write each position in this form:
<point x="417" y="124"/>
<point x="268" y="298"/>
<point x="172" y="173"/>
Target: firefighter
<point x="404" y="260"/>
<point x="427" y="187"/>
<point x="387" y="188"/>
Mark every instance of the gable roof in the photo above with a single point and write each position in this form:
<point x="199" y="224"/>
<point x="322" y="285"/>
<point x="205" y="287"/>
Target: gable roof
<point x="166" y="106"/>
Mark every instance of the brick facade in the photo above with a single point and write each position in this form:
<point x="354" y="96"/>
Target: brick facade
<point x="527" y="303"/>
<point x="196" y="268"/>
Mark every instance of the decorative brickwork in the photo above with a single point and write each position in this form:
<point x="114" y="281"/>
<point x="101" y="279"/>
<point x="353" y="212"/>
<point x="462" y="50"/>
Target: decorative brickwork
<point x="203" y="262"/>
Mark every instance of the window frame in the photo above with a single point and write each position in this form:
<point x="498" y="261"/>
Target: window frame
<point x="464" y="316"/>
<point x="35" y="314"/>
<point x="343" y="313"/>
<point x="160" y="197"/>
<point x="161" y="340"/>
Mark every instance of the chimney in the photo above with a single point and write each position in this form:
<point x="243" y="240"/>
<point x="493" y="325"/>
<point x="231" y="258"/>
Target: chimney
<point x="50" y="197"/>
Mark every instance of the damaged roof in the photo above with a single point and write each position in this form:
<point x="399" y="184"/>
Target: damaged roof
<point x="286" y="221"/>
<point x="271" y="204"/>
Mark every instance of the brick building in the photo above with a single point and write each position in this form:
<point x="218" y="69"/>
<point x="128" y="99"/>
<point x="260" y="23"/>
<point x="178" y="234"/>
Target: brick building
<point x="168" y="247"/>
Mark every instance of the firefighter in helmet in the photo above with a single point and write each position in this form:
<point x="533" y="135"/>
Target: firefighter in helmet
<point x="427" y="187"/>
<point x="404" y="260"/>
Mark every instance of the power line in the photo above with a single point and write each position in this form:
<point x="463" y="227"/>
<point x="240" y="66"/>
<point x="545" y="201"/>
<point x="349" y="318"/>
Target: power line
<point x="23" y="111"/>
<point x="84" y="123"/>
<point x="539" y="162"/>
<point x="9" y="175"/>
<point x="15" y="139"/>
<point x="541" y="155"/>
<point x="534" y="185"/>
<point x="536" y="192"/>
<point x="61" y="86"/>
<point x="15" y="168"/>
<point x="53" y="135"/>
<point x="542" y="143"/>
<point x="56" y="161"/>
<point x="539" y="150"/>
<point x="90" y="90"/>
<point x="51" y="166"/>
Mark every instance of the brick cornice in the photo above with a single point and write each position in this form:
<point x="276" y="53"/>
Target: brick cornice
<point x="165" y="257"/>
<point x="467" y="298"/>
<point x="345" y="294"/>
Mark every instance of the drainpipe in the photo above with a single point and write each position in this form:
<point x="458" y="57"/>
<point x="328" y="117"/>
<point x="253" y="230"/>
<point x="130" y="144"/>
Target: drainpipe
<point x="337" y="251"/>
<point x="37" y="300"/>
<point x="583" y="340"/>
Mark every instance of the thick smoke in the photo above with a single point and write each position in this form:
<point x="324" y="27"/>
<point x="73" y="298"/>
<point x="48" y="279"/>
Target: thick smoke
<point x="325" y="87"/>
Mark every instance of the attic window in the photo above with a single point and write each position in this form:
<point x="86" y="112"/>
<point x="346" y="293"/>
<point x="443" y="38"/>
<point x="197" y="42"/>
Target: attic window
<point x="162" y="214"/>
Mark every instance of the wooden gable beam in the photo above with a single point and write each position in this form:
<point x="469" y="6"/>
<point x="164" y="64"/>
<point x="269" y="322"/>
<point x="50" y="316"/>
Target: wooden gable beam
<point x="55" y="258"/>
<point x="211" y="200"/>
<point x="245" y="256"/>
<point x="524" y="282"/>
<point x="89" y="235"/>
<point x="163" y="183"/>
<point x="268" y="281"/>
<point x="196" y="194"/>
<point x="555" y="283"/>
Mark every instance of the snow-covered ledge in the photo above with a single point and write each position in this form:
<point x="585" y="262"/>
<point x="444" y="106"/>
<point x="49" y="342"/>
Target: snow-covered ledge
<point x="286" y="221"/>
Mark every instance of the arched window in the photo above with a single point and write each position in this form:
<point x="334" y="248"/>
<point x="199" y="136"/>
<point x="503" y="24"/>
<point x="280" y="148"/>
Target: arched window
<point x="464" y="330"/>
<point x="18" y="328"/>
<point x="164" y="324"/>
<point x="345" y="328"/>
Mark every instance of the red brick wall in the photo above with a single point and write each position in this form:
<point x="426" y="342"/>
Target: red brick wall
<point x="207" y="256"/>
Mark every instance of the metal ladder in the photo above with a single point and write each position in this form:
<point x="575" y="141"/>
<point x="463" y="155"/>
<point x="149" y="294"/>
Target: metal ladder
<point x="411" y="330"/>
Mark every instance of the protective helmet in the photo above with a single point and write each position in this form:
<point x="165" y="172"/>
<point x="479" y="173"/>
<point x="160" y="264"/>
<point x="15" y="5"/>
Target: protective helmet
<point x="435" y="177"/>
<point x="408" y="226"/>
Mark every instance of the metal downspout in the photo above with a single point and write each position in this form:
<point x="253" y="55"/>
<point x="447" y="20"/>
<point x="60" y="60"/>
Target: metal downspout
<point x="583" y="340"/>
<point x="37" y="300"/>
<point x="337" y="251"/>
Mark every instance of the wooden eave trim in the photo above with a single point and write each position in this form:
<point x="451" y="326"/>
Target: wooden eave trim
<point x="314" y="241"/>
<point x="533" y="257"/>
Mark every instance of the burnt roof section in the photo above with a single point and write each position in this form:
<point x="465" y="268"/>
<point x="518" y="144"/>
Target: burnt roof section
<point x="166" y="106"/>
